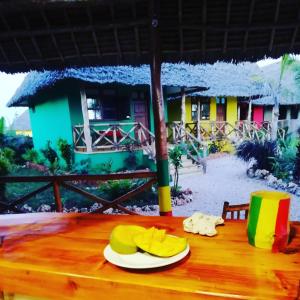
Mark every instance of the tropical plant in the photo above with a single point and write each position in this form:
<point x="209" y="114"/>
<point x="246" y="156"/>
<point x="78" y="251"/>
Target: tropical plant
<point x="20" y="144"/>
<point x="175" y="156"/>
<point x="297" y="164"/>
<point x="261" y="151"/>
<point x="5" y="167"/>
<point x="51" y="156"/>
<point x="104" y="168"/>
<point x="113" y="189"/>
<point x="82" y="167"/>
<point x="277" y="88"/>
<point x="9" y="154"/>
<point x="2" y="125"/>
<point x="32" y="156"/>
<point x="66" y="152"/>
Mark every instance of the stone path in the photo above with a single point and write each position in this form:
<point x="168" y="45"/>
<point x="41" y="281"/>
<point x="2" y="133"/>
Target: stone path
<point x="225" y="180"/>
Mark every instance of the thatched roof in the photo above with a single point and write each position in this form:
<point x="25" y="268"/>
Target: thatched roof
<point x="22" y="122"/>
<point x="217" y="79"/>
<point x="58" y="34"/>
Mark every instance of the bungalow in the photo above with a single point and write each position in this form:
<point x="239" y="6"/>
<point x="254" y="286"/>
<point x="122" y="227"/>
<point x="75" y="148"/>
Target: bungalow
<point x="104" y="113"/>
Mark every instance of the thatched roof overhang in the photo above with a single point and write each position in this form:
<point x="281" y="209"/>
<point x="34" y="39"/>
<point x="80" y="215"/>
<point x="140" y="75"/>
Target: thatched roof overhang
<point x="57" y="34"/>
<point x="205" y="80"/>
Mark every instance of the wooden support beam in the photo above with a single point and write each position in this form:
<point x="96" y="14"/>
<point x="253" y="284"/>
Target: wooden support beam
<point x="136" y="32"/>
<point x="227" y="23"/>
<point x="33" y="39"/>
<point x="48" y="31"/>
<point x="116" y="36"/>
<point x="164" y="191"/>
<point x="72" y="34"/>
<point x="8" y="30"/>
<point x="295" y="33"/>
<point x="4" y="54"/>
<point x="198" y="119"/>
<point x="180" y="29"/>
<point x="86" y="122"/>
<point x="275" y="21"/>
<point x="250" y="16"/>
<point x="183" y="114"/>
<point x="57" y="198"/>
<point x="95" y="38"/>
<point x="204" y="20"/>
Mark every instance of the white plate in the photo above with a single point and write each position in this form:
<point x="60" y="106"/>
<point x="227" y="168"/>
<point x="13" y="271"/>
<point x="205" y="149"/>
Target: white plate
<point x="141" y="260"/>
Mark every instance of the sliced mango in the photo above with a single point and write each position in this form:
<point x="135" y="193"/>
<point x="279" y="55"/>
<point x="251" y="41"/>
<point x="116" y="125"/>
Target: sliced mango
<point x="156" y="242"/>
<point x="121" y="238"/>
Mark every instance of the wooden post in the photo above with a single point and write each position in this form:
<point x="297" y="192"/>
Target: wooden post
<point x="164" y="191"/>
<point x="86" y="122"/>
<point x="250" y="110"/>
<point x="198" y="119"/>
<point x="58" y="203"/>
<point x="183" y="115"/>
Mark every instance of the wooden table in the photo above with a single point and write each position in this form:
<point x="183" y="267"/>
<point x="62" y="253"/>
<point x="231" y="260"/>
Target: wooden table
<point x="60" y="256"/>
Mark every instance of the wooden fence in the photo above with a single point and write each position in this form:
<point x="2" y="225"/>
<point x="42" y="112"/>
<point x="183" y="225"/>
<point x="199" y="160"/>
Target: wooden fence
<point x="69" y="182"/>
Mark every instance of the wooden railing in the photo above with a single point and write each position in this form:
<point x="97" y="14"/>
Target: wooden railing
<point x="117" y="136"/>
<point x="196" y="149"/>
<point x="215" y="130"/>
<point x="70" y="182"/>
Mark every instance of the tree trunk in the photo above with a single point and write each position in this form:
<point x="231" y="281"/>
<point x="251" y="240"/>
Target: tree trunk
<point x="198" y="120"/>
<point x="183" y="115"/>
<point x="275" y="116"/>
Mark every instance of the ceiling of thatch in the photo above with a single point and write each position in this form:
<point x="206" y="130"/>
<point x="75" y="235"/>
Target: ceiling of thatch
<point x="55" y="34"/>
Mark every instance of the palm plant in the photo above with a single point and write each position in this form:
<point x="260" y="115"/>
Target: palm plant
<point x="280" y="85"/>
<point x="175" y="155"/>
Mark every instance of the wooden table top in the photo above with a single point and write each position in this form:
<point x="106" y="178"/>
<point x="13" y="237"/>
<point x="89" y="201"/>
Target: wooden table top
<point x="60" y="256"/>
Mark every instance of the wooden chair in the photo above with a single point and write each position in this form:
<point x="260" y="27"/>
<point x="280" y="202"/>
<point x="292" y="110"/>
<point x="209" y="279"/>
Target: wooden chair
<point x="234" y="210"/>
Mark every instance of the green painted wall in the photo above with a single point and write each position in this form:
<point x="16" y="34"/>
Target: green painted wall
<point x="50" y="120"/>
<point x="118" y="159"/>
<point x="174" y="110"/>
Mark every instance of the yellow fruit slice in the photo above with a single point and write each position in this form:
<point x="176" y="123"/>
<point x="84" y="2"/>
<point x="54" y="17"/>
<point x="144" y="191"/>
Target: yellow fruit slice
<point x="121" y="238"/>
<point x="158" y="243"/>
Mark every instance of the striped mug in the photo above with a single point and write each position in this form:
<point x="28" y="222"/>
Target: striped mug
<point x="268" y="220"/>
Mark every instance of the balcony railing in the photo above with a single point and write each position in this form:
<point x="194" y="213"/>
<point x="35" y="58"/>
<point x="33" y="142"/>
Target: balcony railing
<point x="119" y="136"/>
<point x="222" y="130"/>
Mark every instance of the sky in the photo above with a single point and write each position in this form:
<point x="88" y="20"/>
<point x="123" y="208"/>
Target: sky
<point x="10" y="82"/>
<point x="8" y="85"/>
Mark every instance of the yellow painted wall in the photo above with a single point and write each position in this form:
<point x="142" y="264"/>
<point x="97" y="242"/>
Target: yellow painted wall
<point x="231" y="110"/>
<point x="188" y="110"/>
<point x="174" y="110"/>
<point x="213" y="109"/>
<point x="24" y="132"/>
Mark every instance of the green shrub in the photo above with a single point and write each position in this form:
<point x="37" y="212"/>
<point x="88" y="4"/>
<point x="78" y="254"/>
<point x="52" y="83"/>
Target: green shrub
<point x="115" y="188"/>
<point x="9" y="154"/>
<point x="82" y="167"/>
<point x="20" y="144"/>
<point x="175" y="156"/>
<point x="66" y="152"/>
<point x="2" y="125"/>
<point x="5" y="167"/>
<point x="52" y="157"/>
<point x="297" y="164"/>
<point x="32" y="156"/>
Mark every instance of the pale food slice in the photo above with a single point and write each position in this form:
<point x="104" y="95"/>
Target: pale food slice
<point x="157" y="242"/>
<point x="121" y="238"/>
